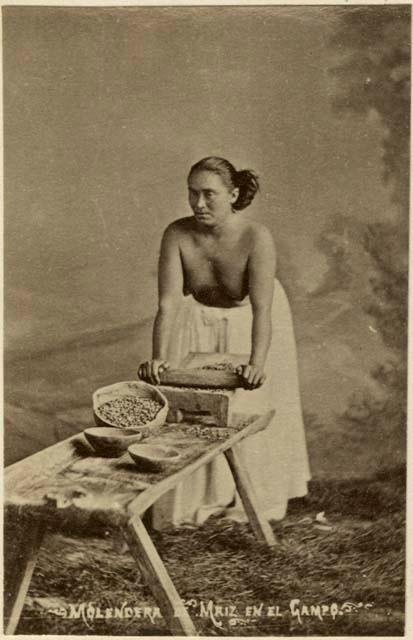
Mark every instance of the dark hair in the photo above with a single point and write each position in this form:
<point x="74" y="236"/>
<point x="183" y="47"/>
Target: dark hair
<point x="245" y="180"/>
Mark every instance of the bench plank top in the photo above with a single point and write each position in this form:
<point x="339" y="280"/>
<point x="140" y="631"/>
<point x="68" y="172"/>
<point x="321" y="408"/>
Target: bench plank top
<point x="69" y="481"/>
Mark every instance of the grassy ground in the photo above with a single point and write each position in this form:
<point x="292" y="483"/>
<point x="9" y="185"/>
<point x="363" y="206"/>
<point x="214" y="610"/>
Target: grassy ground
<point x="357" y="556"/>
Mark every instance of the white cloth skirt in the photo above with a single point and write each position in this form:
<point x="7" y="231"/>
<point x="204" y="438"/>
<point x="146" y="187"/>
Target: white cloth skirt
<point x="276" y="458"/>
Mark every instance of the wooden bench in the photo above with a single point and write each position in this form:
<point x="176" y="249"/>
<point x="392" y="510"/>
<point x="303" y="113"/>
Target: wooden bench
<point x="69" y="483"/>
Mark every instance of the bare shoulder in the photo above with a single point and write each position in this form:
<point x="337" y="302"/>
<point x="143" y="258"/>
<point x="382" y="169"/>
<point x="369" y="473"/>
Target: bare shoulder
<point x="260" y="236"/>
<point x="177" y="229"/>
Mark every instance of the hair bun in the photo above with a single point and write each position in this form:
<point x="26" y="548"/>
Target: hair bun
<point x="248" y="185"/>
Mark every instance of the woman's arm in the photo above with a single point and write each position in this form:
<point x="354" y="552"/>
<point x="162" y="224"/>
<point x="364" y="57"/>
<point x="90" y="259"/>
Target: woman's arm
<point x="261" y="273"/>
<point x="170" y="293"/>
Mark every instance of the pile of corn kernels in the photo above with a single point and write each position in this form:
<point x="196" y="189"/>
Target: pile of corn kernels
<point x="129" y="411"/>
<point x="220" y="366"/>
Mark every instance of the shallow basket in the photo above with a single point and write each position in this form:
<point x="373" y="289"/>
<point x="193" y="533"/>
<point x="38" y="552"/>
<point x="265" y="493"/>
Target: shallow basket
<point x="133" y="388"/>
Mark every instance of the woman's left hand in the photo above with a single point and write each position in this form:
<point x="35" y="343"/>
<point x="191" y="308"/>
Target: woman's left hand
<point x="254" y="376"/>
<point x="149" y="371"/>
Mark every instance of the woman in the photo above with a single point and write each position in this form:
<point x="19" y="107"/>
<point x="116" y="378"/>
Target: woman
<point x="218" y="292"/>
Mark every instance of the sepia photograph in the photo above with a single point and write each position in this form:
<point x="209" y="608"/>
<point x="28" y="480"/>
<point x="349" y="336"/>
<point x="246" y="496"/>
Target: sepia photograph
<point x="206" y="253"/>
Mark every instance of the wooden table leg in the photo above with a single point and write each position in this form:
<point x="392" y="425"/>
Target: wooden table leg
<point x="157" y="578"/>
<point x="259" y="524"/>
<point x="20" y="555"/>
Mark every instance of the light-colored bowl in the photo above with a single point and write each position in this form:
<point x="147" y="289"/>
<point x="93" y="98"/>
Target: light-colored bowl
<point x="135" y="388"/>
<point x="111" y="440"/>
<point x="153" y="457"/>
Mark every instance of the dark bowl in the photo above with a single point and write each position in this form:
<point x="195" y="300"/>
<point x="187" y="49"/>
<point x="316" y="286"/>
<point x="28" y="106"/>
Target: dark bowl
<point x="153" y="457"/>
<point x="111" y="440"/>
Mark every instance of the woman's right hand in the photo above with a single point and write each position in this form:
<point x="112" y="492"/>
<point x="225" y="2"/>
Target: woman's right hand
<point x="149" y="371"/>
<point x="252" y="375"/>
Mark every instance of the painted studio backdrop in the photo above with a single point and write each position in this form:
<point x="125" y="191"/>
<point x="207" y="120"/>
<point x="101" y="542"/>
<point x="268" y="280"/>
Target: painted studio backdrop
<point x="105" y="110"/>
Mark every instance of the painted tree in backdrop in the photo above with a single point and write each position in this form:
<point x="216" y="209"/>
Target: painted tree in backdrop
<point x="373" y="80"/>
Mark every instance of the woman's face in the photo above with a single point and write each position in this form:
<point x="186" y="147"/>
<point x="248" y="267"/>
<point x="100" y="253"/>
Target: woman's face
<point x="209" y="198"/>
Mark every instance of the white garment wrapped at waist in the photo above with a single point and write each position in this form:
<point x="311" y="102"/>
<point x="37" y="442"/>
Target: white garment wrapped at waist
<point x="276" y="459"/>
